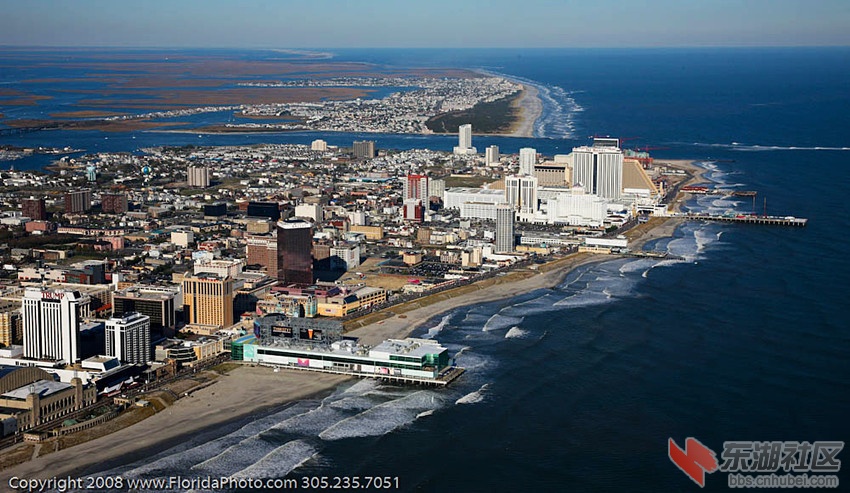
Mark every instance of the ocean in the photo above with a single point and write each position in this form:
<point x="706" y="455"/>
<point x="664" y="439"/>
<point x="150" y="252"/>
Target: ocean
<point x="579" y="387"/>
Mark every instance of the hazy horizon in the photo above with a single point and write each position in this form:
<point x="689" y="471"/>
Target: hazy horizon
<point x="437" y="24"/>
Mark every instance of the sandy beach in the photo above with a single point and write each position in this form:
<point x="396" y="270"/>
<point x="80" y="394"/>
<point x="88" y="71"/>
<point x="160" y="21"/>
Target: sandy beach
<point x="244" y="391"/>
<point x="530" y="108"/>
<point x="248" y="390"/>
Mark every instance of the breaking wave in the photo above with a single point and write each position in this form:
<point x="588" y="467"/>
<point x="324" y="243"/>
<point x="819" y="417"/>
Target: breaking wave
<point x="737" y="146"/>
<point x="497" y="322"/>
<point x="280" y="461"/>
<point x="559" y="115"/>
<point x="434" y="331"/>
<point x="516" y="333"/>
<point x="474" y="397"/>
<point x="383" y="418"/>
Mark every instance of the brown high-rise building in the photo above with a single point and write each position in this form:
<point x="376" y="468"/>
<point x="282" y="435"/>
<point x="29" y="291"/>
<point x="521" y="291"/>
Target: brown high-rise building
<point x="34" y="209"/>
<point x="79" y="201"/>
<point x="294" y="252"/>
<point x="114" y="203"/>
<point x="363" y="149"/>
<point x="262" y="250"/>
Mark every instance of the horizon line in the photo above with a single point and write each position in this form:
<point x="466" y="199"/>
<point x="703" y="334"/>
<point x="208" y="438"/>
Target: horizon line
<point x="302" y="48"/>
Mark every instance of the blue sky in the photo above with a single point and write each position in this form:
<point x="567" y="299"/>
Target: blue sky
<point x="428" y="23"/>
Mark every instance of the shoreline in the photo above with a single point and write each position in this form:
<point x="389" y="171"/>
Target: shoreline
<point x="252" y="390"/>
<point x="528" y="104"/>
<point x="531" y="108"/>
<point x="246" y="391"/>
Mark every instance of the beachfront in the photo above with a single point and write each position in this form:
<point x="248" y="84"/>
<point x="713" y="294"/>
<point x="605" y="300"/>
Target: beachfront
<point x="530" y="107"/>
<point x="247" y="391"/>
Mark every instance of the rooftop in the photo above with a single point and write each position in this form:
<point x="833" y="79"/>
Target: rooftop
<point x="409" y="347"/>
<point x="43" y="388"/>
<point x="294" y="225"/>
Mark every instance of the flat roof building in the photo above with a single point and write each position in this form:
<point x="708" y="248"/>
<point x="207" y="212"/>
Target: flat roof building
<point x="129" y="338"/>
<point x="294" y="252"/>
<point x="51" y="320"/>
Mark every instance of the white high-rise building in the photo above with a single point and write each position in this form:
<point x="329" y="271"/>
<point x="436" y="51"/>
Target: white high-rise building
<point x="521" y="193"/>
<point x="311" y="211"/>
<point x="491" y="155"/>
<point x="464" y="140"/>
<point x="319" y="145"/>
<point x="504" y="228"/>
<point x="478" y="210"/>
<point x="576" y="209"/>
<point x="527" y="160"/>
<point x="129" y="338"/>
<point x="454" y="198"/>
<point x="345" y="256"/>
<point x="51" y="320"/>
<point x="599" y="170"/>
<point x="436" y="188"/>
<point x="198" y="176"/>
<point x="464" y="135"/>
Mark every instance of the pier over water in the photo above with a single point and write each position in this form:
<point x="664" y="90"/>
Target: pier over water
<point x="751" y="219"/>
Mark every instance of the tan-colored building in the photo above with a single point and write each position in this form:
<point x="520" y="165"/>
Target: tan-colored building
<point x="11" y="326"/>
<point x="552" y="174"/>
<point x="259" y="226"/>
<point x="342" y="305"/>
<point x="635" y="177"/>
<point x="32" y="397"/>
<point x="208" y="300"/>
<point x="372" y="233"/>
<point x="411" y="258"/>
<point x="423" y="236"/>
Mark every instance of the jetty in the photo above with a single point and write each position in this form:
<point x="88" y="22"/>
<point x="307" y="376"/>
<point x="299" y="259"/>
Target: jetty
<point x="702" y="190"/>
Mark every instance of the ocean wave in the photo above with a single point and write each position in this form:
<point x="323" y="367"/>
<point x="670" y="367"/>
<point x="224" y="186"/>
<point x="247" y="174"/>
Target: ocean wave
<point x="383" y="418"/>
<point x="636" y="265"/>
<point x="516" y="333"/>
<point x="312" y="422"/>
<point x="558" y="119"/>
<point x="184" y="456"/>
<point x="498" y="321"/>
<point x="280" y="461"/>
<point x="474" y="397"/>
<point x="235" y="458"/>
<point x="737" y="146"/>
<point x="662" y="263"/>
<point x="434" y="331"/>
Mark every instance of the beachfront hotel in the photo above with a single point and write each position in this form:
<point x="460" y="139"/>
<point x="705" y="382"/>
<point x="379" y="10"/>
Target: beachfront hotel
<point x="599" y="170"/>
<point x="208" y="302"/>
<point x="51" y="320"/>
<point x="504" y="228"/>
<point x="128" y="338"/>
<point x="521" y="192"/>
